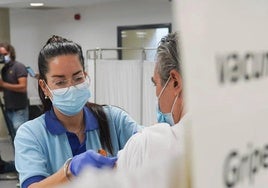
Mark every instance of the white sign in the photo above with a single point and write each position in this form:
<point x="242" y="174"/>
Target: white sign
<point x="225" y="57"/>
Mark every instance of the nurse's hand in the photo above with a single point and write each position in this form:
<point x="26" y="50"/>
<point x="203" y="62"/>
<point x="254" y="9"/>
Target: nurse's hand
<point x="90" y="158"/>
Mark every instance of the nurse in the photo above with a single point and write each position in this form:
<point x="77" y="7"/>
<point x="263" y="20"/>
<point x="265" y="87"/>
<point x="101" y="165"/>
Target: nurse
<point x="56" y="145"/>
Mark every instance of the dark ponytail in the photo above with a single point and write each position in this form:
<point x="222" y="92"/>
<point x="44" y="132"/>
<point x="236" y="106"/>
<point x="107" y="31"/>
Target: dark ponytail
<point x="105" y="136"/>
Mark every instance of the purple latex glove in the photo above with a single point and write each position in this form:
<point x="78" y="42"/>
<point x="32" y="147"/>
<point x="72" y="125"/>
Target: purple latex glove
<point x="90" y="158"/>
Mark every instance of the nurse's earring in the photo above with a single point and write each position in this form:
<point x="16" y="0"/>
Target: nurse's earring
<point x="46" y="97"/>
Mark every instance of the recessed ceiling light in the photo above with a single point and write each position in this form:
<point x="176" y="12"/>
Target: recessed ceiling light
<point x="37" y="4"/>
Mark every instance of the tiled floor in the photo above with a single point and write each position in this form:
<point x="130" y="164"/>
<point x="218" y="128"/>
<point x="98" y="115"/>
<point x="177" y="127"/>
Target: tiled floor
<point x="7" y="154"/>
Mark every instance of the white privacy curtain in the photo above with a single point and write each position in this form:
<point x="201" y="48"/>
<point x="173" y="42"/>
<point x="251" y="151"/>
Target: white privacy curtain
<point x="127" y="84"/>
<point x="149" y="96"/>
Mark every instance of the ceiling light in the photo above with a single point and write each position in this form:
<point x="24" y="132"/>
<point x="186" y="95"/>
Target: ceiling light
<point x="37" y="4"/>
<point x="141" y="34"/>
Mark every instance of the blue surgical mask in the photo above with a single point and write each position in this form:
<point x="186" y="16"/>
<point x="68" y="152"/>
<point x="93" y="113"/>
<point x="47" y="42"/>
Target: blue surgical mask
<point x="71" y="100"/>
<point x="165" y="117"/>
<point x="7" y="58"/>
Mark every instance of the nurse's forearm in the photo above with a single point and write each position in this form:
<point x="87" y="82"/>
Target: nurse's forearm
<point x="54" y="180"/>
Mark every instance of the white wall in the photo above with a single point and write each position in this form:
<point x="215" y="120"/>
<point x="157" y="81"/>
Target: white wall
<point x="97" y="28"/>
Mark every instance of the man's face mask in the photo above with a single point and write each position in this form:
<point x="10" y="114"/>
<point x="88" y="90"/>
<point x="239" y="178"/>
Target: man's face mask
<point x="7" y="58"/>
<point x="165" y="117"/>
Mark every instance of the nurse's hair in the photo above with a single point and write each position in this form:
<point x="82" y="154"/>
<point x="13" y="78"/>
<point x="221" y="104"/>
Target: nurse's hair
<point x="168" y="57"/>
<point x="55" y="46"/>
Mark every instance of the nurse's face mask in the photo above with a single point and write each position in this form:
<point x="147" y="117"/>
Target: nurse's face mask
<point x="165" y="117"/>
<point x="70" y="100"/>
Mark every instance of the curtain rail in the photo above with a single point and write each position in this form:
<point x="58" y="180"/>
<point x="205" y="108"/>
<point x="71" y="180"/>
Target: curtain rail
<point x="98" y="51"/>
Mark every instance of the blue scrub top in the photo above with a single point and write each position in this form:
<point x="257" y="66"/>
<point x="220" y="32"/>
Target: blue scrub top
<point x="43" y="145"/>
